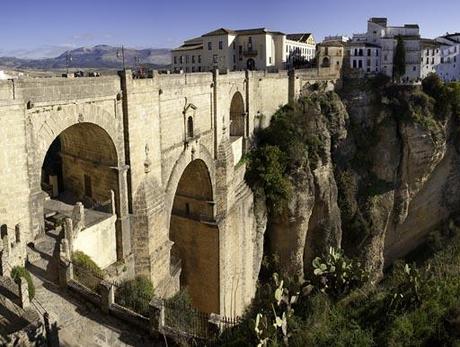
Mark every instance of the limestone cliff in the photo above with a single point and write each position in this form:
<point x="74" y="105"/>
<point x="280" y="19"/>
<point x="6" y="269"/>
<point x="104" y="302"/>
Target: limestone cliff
<point x="396" y="142"/>
<point x="379" y="172"/>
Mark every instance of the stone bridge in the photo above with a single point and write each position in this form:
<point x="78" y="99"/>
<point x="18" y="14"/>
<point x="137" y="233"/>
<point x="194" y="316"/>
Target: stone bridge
<point x="165" y="153"/>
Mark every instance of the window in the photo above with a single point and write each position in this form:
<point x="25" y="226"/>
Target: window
<point x="209" y="46"/>
<point x="249" y="43"/>
<point x="385" y="57"/>
<point x="414" y="68"/>
<point x="377" y="52"/>
<point x="221" y="44"/>
<point x="199" y="59"/>
<point x="368" y="52"/>
<point x="356" y="51"/>
<point x="269" y="60"/>
<point x="190" y="127"/>
<point x="287" y="49"/>
<point x="193" y="68"/>
<point x="199" y="68"/>
<point x="215" y="58"/>
<point x="234" y="45"/>
<point x="368" y="62"/>
<point x="193" y="59"/>
<point x="181" y="59"/>
<point x="360" y="64"/>
<point x="234" y="58"/>
<point x="354" y="64"/>
<point x="432" y="61"/>
<point x="186" y="59"/>
<point x="360" y="52"/>
<point x="175" y="60"/>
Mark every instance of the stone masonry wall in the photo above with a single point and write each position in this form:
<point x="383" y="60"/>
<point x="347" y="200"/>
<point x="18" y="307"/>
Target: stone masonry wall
<point x="148" y="122"/>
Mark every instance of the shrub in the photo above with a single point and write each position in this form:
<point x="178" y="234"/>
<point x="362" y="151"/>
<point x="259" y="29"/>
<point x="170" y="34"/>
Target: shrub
<point x="136" y="294"/>
<point x="266" y="168"/>
<point x="337" y="275"/>
<point x="86" y="271"/>
<point x="19" y="271"/>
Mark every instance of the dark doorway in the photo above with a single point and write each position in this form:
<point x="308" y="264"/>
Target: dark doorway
<point x="251" y="64"/>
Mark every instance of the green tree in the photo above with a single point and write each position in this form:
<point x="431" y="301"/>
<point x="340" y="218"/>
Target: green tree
<point x="399" y="62"/>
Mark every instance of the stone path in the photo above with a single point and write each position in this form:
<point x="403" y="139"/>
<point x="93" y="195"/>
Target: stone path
<point x="78" y="323"/>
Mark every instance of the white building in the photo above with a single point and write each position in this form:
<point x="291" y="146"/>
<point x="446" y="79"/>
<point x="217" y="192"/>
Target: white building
<point x="365" y="56"/>
<point x="449" y="68"/>
<point x="253" y="49"/>
<point x="381" y="39"/>
<point x="431" y="57"/>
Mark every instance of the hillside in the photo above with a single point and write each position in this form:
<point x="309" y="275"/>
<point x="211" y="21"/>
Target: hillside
<point x="100" y="56"/>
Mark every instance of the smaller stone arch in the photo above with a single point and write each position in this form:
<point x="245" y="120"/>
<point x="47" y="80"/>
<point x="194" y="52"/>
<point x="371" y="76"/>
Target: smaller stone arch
<point x="237" y="122"/>
<point x="325" y="62"/>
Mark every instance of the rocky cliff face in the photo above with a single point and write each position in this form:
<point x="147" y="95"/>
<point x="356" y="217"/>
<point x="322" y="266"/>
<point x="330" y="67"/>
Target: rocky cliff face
<point x="381" y="173"/>
<point x="311" y="223"/>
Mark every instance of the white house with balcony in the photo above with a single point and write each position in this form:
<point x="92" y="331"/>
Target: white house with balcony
<point x="381" y="39"/>
<point x="252" y="49"/>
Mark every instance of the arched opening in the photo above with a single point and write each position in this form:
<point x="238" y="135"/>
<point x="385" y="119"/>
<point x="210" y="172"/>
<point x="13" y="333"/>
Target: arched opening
<point x="325" y="62"/>
<point x="251" y="64"/>
<point x="190" y="127"/>
<point x="80" y="166"/>
<point x="237" y="115"/>
<point x="196" y="237"/>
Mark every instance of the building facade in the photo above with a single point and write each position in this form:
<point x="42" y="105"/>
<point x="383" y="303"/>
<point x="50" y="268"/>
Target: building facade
<point x="235" y="50"/>
<point x="373" y="51"/>
<point x="449" y="50"/>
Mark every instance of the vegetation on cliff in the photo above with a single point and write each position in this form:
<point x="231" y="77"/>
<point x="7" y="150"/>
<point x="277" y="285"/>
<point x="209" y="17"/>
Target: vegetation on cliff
<point x="382" y="172"/>
<point x="288" y="147"/>
<point x="416" y="305"/>
<point x="370" y="151"/>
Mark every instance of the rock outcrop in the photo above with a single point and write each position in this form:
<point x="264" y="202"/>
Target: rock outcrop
<point x="382" y="171"/>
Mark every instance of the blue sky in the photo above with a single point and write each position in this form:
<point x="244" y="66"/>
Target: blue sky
<point x="48" y="27"/>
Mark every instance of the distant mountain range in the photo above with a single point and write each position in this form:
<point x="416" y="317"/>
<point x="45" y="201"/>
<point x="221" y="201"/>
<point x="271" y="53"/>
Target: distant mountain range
<point x="97" y="57"/>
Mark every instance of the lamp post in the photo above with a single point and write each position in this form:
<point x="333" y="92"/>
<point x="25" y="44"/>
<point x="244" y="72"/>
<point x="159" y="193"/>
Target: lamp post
<point x="68" y="59"/>
<point x="122" y="56"/>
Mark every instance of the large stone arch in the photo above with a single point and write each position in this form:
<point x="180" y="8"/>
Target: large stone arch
<point x="85" y="149"/>
<point x="82" y="126"/>
<point x="56" y="122"/>
<point x="195" y="233"/>
<point x="200" y="152"/>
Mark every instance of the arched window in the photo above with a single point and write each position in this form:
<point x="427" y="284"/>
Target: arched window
<point x="3" y="231"/>
<point x="325" y="62"/>
<point x="190" y="127"/>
